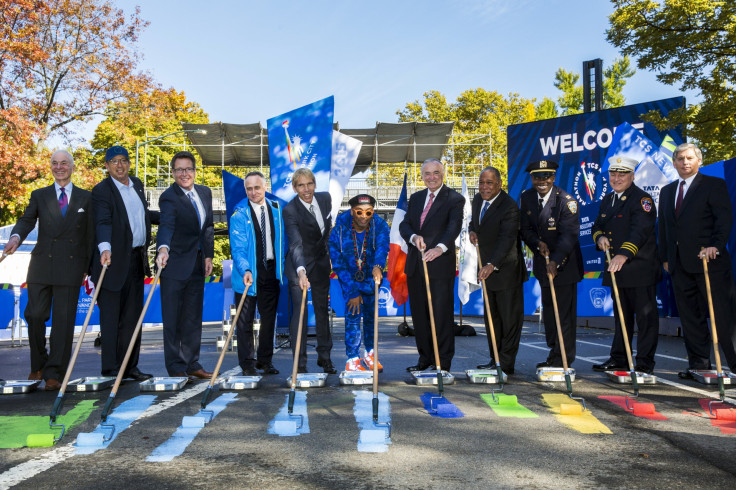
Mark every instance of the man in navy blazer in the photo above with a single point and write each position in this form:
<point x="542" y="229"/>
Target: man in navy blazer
<point x="59" y="262"/>
<point x="122" y="236"/>
<point x="431" y="225"/>
<point x="695" y="219"/>
<point x="185" y="243"/>
<point x="308" y="221"/>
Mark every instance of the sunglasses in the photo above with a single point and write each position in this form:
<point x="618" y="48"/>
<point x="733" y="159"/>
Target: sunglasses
<point x="360" y="212"/>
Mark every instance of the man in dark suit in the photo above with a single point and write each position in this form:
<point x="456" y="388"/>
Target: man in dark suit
<point x="550" y="227"/>
<point x="625" y="225"/>
<point x="430" y="227"/>
<point x="695" y="219"/>
<point x="308" y="221"/>
<point x="494" y="227"/>
<point x="123" y="232"/>
<point x="59" y="262"/>
<point x="185" y="243"/>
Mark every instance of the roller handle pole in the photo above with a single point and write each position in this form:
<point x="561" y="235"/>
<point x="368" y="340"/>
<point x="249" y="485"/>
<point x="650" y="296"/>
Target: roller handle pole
<point x="108" y="406"/>
<point x="557" y="319"/>
<point x="499" y="371"/>
<point x="624" y="330"/>
<point x="375" y="408"/>
<point x="568" y="382"/>
<point x="297" y="347"/>
<point x="713" y="331"/>
<point x="440" y="386"/>
<point x="290" y="405"/>
<point x="375" y="348"/>
<point x="56" y="409"/>
<point x="207" y="394"/>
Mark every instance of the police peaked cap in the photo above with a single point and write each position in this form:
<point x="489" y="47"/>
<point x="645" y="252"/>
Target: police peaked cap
<point x="542" y="166"/>
<point x="361" y="199"/>
<point x="114" y="151"/>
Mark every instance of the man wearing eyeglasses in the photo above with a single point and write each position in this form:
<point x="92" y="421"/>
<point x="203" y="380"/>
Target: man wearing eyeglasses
<point x="359" y="245"/>
<point x="122" y="236"/>
<point x="185" y="244"/>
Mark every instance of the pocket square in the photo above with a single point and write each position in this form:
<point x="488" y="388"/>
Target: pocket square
<point x="81" y="210"/>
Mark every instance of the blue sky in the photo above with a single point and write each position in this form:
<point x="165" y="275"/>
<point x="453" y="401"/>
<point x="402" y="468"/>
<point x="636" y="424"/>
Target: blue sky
<point x="247" y="61"/>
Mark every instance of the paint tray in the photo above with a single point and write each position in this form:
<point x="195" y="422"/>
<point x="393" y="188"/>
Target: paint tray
<point x="624" y="377"/>
<point x="16" y="386"/>
<point x="710" y="376"/>
<point x="487" y="376"/>
<point x="309" y="380"/>
<point x="240" y="383"/>
<point x="164" y="384"/>
<point x="91" y="383"/>
<point x="430" y="377"/>
<point x="356" y="377"/>
<point x="554" y="374"/>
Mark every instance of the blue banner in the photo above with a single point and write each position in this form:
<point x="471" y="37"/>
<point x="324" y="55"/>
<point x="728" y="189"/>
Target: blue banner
<point x="727" y="171"/>
<point x="301" y="138"/>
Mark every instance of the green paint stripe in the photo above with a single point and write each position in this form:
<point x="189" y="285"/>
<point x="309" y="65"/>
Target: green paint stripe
<point x="518" y="411"/>
<point x="15" y="428"/>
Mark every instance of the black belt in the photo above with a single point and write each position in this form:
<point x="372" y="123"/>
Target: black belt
<point x="137" y="250"/>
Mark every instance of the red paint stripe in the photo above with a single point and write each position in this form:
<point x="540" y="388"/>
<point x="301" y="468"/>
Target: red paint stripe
<point x="725" y="426"/>
<point x="621" y="402"/>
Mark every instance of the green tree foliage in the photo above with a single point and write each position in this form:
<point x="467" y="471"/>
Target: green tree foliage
<point x="690" y="44"/>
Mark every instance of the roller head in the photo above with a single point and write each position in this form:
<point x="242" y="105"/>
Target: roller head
<point x="446" y="409"/>
<point x="40" y="440"/>
<point x="571" y="409"/>
<point x="372" y="436"/>
<point x="721" y="414"/>
<point x="285" y="427"/>
<point x="194" y="422"/>
<point x="87" y="439"/>
<point x="508" y="400"/>
<point x="644" y="408"/>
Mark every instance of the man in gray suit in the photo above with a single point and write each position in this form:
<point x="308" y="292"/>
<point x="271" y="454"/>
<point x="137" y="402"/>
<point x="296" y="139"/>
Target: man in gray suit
<point x="308" y="221"/>
<point x="58" y="265"/>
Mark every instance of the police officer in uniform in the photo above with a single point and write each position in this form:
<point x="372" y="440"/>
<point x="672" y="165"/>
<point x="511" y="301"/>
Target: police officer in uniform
<point x="626" y="225"/>
<point x="550" y="227"/>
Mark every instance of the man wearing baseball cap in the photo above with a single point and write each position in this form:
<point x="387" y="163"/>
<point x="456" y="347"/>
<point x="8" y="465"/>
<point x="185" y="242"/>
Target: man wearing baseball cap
<point x="550" y="227"/>
<point x="359" y="245"/>
<point x="626" y="226"/>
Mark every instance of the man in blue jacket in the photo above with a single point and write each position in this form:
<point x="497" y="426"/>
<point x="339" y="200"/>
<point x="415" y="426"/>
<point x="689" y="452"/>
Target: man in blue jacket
<point x="257" y="248"/>
<point x="359" y="245"/>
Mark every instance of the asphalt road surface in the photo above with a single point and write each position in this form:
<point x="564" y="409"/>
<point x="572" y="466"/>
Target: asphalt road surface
<point x="680" y="446"/>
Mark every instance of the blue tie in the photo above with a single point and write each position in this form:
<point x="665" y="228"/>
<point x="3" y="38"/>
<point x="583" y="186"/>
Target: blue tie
<point x="196" y="209"/>
<point x="483" y="211"/>
<point x="63" y="202"/>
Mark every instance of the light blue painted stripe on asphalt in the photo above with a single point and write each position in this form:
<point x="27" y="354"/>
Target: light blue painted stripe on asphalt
<point x="363" y="411"/>
<point x="121" y="417"/>
<point x="184" y="436"/>
<point x="300" y="408"/>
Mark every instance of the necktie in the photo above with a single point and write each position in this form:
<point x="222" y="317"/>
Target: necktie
<point x="196" y="209"/>
<point x="311" y="210"/>
<point x="63" y="202"/>
<point x="483" y="211"/>
<point x="614" y="200"/>
<point x="680" y="195"/>
<point x="263" y="234"/>
<point x="426" y="209"/>
<point x="541" y="204"/>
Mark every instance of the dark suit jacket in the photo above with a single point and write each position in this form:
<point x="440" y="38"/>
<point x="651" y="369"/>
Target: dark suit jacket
<point x="558" y="225"/>
<point x="499" y="242"/>
<point x="629" y="227"/>
<point x="441" y="225"/>
<point x="705" y="221"/>
<point x="112" y="226"/>
<point x="308" y="247"/>
<point x="179" y="230"/>
<point x="62" y="253"/>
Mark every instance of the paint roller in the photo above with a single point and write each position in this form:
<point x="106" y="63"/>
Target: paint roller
<point x="292" y="391"/>
<point x="384" y="427"/>
<point x="508" y="400"/>
<point x="440" y="384"/>
<point x="571" y="409"/>
<point x="713" y="334"/>
<point x="640" y="409"/>
<point x="48" y="440"/>
<point x="563" y="353"/>
<point x="726" y="414"/>
<point x="98" y="438"/>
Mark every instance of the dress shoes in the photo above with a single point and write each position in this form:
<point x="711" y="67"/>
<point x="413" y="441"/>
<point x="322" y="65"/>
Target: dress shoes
<point x="301" y="370"/>
<point x="179" y="375"/>
<point x="201" y="374"/>
<point x="137" y="375"/>
<point x="544" y="364"/>
<point x="491" y="364"/>
<point x="267" y="367"/>
<point x="327" y="366"/>
<point x="418" y="367"/>
<point x="685" y="375"/>
<point x="35" y="376"/>
<point x="109" y="373"/>
<point x="249" y="371"/>
<point x="643" y="369"/>
<point x="52" y="385"/>
<point x="609" y="365"/>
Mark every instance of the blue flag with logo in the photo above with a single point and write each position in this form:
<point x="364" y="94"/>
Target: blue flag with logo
<point x="301" y="138"/>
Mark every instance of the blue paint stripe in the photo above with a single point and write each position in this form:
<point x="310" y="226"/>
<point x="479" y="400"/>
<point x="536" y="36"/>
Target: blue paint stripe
<point x="444" y="408"/>
<point x="184" y="436"/>
<point x="300" y="408"/>
<point x="363" y="411"/>
<point x="121" y="417"/>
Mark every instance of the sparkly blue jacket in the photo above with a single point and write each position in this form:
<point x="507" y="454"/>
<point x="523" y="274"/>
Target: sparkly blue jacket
<point x="342" y="253"/>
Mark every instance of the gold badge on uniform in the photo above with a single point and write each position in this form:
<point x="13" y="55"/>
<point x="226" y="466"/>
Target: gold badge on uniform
<point x="572" y="206"/>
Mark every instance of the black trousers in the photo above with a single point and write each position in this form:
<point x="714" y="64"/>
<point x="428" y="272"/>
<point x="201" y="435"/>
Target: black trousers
<point x="638" y="303"/>
<point x="567" y="304"/>
<point x="444" y="318"/>
<point x="119" y="314"/>
<point x="507" y="312"/>
<point x="692" y="303"/>
<point x="267" y="300"/>
<point x="181" y="311"/>
<point x="320" y="286"/>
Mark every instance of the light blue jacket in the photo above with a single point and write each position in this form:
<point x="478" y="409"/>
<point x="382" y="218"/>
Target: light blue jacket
<point x="243" y="244"/>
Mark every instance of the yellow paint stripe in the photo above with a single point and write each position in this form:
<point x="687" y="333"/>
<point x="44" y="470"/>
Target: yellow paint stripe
<point x="586" y="423"/>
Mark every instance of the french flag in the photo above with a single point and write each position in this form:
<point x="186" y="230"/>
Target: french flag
<point x="397" y="252"/>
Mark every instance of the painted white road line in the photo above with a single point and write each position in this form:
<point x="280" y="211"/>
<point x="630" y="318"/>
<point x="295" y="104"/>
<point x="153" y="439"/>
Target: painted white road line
<point x="121" y="418"/>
